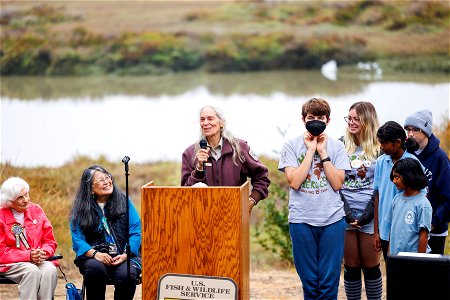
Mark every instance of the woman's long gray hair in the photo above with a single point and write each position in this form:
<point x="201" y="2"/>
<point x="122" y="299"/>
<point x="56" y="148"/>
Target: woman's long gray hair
<point x="224" y="133"/>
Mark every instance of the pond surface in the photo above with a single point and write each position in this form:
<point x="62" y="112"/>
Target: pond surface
<point x="48" y="121"/>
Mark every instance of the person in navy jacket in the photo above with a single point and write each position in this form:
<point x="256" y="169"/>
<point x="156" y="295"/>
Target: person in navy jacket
<point x="425" y="146"/>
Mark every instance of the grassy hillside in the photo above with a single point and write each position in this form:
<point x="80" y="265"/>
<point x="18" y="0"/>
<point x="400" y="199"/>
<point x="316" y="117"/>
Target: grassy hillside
<point x="144" y="37"/>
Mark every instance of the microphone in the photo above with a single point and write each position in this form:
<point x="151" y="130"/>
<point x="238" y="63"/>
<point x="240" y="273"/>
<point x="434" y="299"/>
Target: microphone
<point x="125" y="160"/>
<point x="203" y="144"/>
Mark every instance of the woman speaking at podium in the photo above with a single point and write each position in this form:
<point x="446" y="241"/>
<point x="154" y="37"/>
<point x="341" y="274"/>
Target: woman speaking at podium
<point x="220" y="159"/>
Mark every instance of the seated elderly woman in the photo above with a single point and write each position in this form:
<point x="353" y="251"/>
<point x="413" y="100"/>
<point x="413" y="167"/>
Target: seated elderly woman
<point x="26" y="241"/>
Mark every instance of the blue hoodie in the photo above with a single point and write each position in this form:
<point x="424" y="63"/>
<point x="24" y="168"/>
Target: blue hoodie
<point x="437" y="170"/>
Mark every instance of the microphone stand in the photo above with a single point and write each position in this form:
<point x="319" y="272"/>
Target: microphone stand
<point x="125" y="160"/>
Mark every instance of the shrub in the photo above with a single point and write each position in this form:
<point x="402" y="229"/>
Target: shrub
<point x="443" y="133"/>
<point x="344" y="49"/>
<point x="66" y="63"/>
<point x="273" y="233"/>
<point x="241" y="52"/>
<point x="82" y="37"/>
<point x="424" y="64"/>
<point x="26" y="54"/>
<point x="163" y="51"/>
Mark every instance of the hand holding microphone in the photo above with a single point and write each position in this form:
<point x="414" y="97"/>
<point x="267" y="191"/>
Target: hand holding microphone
<point x="202" y="155"/>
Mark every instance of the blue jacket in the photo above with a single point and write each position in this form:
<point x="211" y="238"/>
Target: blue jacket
<point x="84" y="241"/>
<point x="437" y="170"/>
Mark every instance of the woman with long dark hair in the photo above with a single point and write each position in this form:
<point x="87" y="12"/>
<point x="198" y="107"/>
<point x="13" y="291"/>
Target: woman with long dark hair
<point x="98" y="227"/>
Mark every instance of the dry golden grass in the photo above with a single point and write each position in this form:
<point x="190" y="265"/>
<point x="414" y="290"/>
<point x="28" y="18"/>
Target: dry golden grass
<point x="54" y="189"/>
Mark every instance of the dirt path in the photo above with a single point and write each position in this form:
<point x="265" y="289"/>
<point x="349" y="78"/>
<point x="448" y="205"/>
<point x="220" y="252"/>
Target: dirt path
<point x="274" y="284"/>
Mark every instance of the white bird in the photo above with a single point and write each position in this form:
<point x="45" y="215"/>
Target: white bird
<point x="329" y="70"/>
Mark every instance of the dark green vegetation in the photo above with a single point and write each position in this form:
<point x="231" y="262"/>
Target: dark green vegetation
<point x="136" y="38"/>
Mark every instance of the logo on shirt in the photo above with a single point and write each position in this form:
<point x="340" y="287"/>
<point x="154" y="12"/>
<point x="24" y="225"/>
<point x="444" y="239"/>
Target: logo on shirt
<point x="357" y="177"/>
<point x="429" y="174"/>
<point x="316" y="182"/>
<point x="253" y="155"/>
<point x="409" y="217"/>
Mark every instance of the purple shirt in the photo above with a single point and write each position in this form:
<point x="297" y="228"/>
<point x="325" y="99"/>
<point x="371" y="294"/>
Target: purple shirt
<point x="223" y="172"/>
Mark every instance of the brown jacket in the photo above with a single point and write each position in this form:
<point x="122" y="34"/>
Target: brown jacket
<point x="223" y="172"/>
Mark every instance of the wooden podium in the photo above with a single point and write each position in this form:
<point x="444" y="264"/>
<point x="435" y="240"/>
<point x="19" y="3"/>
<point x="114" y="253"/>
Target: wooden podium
<point x="197" y="231"/>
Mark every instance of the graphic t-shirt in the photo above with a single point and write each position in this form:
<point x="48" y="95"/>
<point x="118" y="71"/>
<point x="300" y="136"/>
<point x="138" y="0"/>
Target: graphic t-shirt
<point x="406" y="217"/>
<point x="358" y="186"/>
<point x="315" y="202"/>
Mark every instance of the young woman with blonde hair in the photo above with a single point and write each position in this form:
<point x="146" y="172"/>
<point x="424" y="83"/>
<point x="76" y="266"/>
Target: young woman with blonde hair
<point x="362" y="147"/>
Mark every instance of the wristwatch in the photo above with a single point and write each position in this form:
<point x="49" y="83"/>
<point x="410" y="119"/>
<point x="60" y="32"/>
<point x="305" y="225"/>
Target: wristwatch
<point x="325" y="159"/>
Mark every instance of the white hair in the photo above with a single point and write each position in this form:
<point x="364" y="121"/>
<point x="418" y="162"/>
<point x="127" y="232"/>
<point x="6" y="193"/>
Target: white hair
<point x="10" y="190"/>
<point x="224" y="133"/>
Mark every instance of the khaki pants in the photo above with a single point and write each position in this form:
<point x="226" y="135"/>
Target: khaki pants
<point x="35" y="281"/>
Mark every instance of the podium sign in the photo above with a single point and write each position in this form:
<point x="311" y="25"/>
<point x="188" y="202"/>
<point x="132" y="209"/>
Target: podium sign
<point x="190" y="287"/>
<point x="201" y="231"/>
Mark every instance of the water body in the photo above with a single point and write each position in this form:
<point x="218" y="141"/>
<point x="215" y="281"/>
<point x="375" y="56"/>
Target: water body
<point x="48" y="121"/>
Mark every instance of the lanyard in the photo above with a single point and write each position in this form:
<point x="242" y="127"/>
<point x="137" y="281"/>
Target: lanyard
<point x="112" y="239"/>
<point x="105" y="225"/>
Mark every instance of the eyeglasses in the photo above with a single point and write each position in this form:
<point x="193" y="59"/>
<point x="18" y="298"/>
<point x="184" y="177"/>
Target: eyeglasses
<point x="349" y="119"/>
<point x="102" y="181"/>
<point x="412" y="129"/>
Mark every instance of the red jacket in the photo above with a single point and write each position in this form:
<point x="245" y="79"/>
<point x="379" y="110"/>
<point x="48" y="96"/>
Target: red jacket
<point x="224" y="172"/>
<point x="39" y="233"/>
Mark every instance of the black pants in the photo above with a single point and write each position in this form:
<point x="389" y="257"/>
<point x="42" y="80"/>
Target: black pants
<point x="96" y="275"/>
<point x="437" y="244"/>
<point x="384" y="247"/>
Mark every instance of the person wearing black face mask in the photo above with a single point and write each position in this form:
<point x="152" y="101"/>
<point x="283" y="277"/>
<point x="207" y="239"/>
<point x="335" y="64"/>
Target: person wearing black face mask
<point x="315" y="166"/>
<point x="315" y="127"/>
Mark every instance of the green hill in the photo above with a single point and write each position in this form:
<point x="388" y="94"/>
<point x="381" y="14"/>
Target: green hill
<point x="139" y="37"/>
